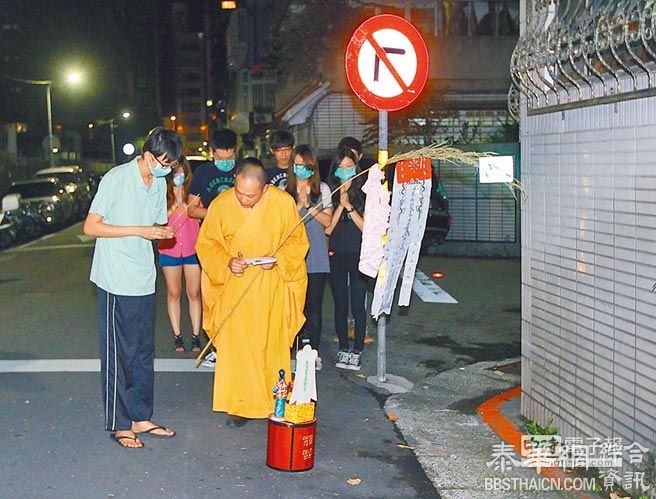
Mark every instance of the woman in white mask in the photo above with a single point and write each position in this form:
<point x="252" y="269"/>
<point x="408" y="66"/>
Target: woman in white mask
<point x="313" y="196"/>
<point x="345" y="231"/>
<point x="177" y="256"/>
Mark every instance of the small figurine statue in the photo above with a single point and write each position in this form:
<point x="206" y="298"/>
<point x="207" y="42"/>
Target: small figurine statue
<point x="280" y="392"/>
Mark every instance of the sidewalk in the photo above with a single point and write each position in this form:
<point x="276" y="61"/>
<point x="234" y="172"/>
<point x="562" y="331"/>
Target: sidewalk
<point x="449" y="352"/>
<point x="438" y="419"/>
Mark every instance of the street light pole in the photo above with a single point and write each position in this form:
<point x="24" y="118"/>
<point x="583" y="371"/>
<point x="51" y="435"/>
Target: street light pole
<point x="49" y="107"/>
<point x="112" y="131"/>
<point x="48" y="85"/>
<point x="112" y="139"/>
<point x="74" y="78"/>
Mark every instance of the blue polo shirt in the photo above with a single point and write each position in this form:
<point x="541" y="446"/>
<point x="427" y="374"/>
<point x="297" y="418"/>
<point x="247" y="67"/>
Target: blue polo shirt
<point x="126" y="265"/>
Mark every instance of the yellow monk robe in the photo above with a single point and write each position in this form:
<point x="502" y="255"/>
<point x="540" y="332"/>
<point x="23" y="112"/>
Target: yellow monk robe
<point x="254" y="342"/>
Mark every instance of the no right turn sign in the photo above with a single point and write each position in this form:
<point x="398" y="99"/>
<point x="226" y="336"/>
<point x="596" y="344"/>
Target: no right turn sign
<point x="387" y="62"/>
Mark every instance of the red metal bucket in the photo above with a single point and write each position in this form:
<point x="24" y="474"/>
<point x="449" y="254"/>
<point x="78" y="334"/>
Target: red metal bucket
<point x="290" y="446"/>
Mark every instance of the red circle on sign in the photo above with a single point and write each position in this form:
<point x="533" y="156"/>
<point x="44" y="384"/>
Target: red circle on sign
<point x="363" y="34"/>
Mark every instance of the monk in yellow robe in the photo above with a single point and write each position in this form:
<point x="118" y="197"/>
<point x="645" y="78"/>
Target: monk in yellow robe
<point x="250" y="220"/>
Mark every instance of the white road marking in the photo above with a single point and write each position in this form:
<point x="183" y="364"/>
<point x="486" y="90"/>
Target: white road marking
<point x="90" y="366"/>
<point x="85" y="239"/>
<point x="43" y="238"/>
<point x="27" y="245"/>
<point x="22" y="249"/>
<point x="430" y="292"/>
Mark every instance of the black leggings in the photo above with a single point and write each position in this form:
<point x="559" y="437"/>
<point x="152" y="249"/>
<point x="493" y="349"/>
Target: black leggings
<point x="344" y="274"/>
<point x="312" y="311"/>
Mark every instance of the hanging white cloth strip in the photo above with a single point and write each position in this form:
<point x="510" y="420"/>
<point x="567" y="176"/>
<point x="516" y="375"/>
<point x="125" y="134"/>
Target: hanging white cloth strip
<point x="376" y="222"/>
<point x="410" y="203"/>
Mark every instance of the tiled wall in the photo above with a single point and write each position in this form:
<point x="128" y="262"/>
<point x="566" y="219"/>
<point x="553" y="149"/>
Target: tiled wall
<point x="588" y="267"/>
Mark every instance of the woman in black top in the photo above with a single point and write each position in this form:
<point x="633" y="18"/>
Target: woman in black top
<point x="345" y="233"/>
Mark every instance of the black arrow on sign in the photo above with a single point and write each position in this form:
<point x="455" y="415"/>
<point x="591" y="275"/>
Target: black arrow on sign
<point x="388" y="50"/>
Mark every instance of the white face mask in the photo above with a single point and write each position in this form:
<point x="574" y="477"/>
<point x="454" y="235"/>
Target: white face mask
<point x="159" y="170"/>
<point x="178" y="179"/>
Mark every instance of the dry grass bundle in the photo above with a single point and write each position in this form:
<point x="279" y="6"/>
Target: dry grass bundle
<point x="445" y="152"/>
<point x="442" y="152"/>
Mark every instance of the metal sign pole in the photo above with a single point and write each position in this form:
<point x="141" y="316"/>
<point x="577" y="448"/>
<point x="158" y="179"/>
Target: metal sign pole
<point x="383" y="155"/>
<point x="390" y="48"/>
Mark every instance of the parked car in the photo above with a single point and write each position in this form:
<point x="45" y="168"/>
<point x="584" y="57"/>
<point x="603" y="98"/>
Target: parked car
<point x="94" y="180"/>
<point x="76" y="182"/>
<point x="8" y="230"/>
<point x="49" y="197"/>
<point x="439" y="219"/>
<point x="25" y="218"/>
<point x="196" y="161"/>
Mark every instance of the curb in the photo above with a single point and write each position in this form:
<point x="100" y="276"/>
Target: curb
<point x="490" y="413"/>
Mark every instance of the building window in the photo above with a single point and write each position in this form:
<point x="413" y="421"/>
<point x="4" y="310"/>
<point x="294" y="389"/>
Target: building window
<point x="477" y="18"/>
<point x="263" y="97"/>
<point x="189" y="77"/>
<point x="189" y="92"/>
<point x="191" y="108"/>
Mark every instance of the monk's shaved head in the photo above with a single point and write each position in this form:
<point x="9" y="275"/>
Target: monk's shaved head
<point x="252" y="169"/>
<point x="250" y="182"/>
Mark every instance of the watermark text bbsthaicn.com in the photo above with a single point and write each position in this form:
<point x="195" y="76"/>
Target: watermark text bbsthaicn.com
<point x="540" y="484"/>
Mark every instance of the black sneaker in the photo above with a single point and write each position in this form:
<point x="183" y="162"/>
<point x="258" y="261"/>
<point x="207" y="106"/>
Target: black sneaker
<point x="343" y="359"/>
<point x="355" y="361"/>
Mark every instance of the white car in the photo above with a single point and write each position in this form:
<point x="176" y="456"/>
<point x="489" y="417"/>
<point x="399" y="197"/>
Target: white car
<point x="196" y="161"/>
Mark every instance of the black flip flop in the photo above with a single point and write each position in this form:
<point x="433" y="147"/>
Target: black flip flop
<point x="150" y="431"/>
<point x="126" y="437"/>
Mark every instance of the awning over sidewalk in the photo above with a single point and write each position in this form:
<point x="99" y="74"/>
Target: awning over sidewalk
<point x="299" y="112"/>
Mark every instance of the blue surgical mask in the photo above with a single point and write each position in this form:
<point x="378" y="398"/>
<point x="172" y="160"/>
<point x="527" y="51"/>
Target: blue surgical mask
<point x="345" y="173"/>
<point x="302" y="171"/>
<point x="225" y="165"/>
<point x="178" y="179"/>
<point x="159" y="170"/>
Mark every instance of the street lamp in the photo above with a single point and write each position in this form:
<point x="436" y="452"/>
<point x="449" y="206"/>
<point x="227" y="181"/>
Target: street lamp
<point x="112" y="127"/>
<point x="73" y="77"/>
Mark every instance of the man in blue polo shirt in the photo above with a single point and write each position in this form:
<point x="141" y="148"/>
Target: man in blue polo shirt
<point x="130" y="202"/>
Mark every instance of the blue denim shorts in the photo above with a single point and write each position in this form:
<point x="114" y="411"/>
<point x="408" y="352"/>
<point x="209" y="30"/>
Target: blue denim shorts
<point x="176" y="261"/>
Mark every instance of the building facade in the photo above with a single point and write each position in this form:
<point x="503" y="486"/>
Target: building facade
<point x="187" y="72"/>
<point x="469" y="42"/>
<point x="469" y="45"/>
<point x="589" y="222"/>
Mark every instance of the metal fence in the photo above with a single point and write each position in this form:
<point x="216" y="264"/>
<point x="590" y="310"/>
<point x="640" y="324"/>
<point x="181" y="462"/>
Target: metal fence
<point x="576" y="53"/>
<point x="481" y="212"/>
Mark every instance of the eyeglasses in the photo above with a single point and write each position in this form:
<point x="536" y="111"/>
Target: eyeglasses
<point x="167" y="165"/>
